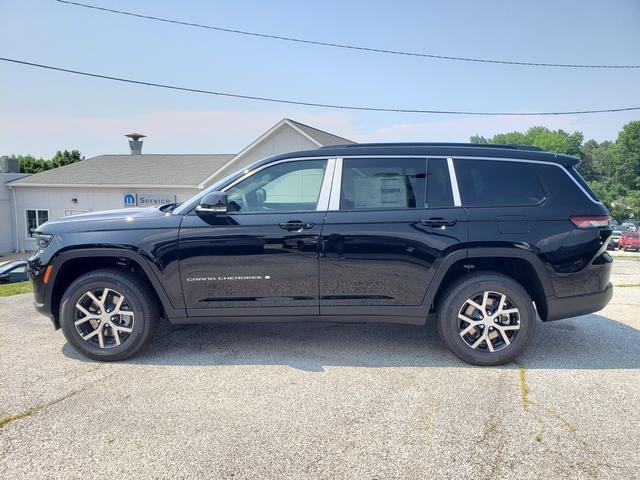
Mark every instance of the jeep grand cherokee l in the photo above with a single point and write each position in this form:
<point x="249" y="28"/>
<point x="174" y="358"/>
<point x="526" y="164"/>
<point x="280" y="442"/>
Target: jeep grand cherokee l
<point x="486" y="237"/>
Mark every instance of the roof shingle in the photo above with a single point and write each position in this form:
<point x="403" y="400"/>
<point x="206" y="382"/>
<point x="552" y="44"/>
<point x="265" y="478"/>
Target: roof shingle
<point x="146" y="169"/>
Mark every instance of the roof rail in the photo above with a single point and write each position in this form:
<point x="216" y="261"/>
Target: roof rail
<point x="434" y="144"/>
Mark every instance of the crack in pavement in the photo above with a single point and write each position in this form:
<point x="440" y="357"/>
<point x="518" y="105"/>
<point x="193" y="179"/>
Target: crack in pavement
<point x="594" y="457"/>
<point x="38" y="408"/>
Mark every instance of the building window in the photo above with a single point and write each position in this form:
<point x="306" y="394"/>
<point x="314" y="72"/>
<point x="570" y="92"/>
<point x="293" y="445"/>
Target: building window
<point x="68" y="213"/>
<point x="35" y="218"/>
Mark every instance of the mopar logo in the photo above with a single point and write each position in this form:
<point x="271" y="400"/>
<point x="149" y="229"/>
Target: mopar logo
<point x="129" y="200"/>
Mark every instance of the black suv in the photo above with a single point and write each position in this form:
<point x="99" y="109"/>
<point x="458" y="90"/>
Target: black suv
<point x="486" y="237"/>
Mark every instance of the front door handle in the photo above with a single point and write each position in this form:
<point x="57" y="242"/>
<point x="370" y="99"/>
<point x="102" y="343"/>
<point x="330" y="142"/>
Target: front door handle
<point x="296" y="225"/>
<point x="438" y="222"/>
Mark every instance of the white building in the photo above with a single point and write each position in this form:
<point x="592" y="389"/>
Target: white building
<point x="107" y="182"/>
<point x="7" y="212"/>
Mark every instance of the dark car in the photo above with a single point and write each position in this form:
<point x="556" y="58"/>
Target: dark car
<point x="486" y="237"/>
<point x="615" y="238"/>
<point x="12" y="272"/>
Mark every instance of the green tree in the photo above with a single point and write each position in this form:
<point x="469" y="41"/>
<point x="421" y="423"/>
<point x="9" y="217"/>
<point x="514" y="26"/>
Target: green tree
<point x="557" y="141"/>
<point x="31" y="164"/>
<point x="588" y="167"/>
<point x="478" y="139"/>
<point x="627" y="156"/>
<point x="65" y="158"/>
<point x="611" y="168"/>
<point x="511" y="138"/>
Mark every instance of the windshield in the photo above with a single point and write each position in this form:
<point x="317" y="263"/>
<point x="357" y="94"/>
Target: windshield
<point x="8" y="266"/>
<point x="190" y="204"/>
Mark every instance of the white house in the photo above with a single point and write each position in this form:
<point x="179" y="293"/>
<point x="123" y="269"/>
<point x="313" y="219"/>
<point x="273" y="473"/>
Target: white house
<point x="115" y="181"/>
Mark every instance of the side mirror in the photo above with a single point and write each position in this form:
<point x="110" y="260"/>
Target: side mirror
<point x="213" y="203"/>
<point x="4" y="277"/>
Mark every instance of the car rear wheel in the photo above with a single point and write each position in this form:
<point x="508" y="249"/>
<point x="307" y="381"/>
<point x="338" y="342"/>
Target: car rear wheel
<point x="486" y="318"/>
<point x="108" y="314"/>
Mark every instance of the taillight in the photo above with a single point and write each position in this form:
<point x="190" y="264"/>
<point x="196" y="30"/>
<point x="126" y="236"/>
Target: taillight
<point x="591" y="222"/>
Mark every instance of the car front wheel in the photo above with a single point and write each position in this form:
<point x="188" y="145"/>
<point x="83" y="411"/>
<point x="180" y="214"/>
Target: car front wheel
<point x="486" y="318"/>
<point x="108" y="314"/>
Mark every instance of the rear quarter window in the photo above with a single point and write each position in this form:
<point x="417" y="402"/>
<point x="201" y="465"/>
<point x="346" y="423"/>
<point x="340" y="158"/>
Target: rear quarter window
<point x="585" y="186"/>
<point x="492" y="183"/>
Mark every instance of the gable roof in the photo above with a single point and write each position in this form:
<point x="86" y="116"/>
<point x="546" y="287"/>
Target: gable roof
<point x="131" y="170"/>
<point x="191" y="171"/>
<point x="321" y="137"/>
<point x="316" y="136"/>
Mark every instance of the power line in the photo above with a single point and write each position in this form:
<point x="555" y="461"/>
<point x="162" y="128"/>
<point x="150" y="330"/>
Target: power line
<point x="304" y="103"/>
<point x="345" y="46"/>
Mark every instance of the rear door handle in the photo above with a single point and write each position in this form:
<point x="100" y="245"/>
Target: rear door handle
<point x="296" y="225"/>
<point x="438" y="222"/>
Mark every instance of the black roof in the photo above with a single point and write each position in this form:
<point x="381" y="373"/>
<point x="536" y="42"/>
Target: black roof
<point x="519" y="152"/>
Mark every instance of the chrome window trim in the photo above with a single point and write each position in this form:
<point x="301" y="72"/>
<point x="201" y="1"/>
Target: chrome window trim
<point x="336" y="185"/>
<point x="325" y="189"/>
<point x="454" y="182"/>
<point x="336" y="182"/>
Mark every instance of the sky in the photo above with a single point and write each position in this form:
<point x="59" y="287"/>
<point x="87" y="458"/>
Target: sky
<point x="43" y="111"/>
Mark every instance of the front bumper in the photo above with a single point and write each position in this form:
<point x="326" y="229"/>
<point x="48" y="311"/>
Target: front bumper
<point x="41" y="290"/>
<point x="574" y="306"/>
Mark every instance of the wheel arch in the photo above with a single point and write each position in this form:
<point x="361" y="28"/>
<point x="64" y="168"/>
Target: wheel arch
<point x="70" y="264"/>
<point x="522" y="266"/>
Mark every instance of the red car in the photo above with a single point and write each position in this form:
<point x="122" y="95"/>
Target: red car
<point x="629" y="241"/>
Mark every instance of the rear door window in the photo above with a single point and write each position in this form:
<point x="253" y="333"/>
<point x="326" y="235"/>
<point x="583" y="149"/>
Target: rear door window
<point x="494" y="183"/>
<point x="439" y="194"/>
<point x="383" y="183"/>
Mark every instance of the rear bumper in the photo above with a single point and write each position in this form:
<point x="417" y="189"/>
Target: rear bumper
<point x="566" y="307"/>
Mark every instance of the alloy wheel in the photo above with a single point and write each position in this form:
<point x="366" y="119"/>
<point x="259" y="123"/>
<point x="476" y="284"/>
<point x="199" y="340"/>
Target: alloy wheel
<point x="488" y="321"/>
<point x="103" y="317"/>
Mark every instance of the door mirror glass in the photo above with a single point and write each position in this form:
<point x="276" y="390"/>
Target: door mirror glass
<point x="213" y="203"/>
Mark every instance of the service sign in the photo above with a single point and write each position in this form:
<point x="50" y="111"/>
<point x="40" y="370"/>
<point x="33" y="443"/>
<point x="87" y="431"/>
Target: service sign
<point x="148" y="199"/>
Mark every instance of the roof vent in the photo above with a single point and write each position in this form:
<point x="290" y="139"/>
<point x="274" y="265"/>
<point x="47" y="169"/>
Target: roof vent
<point x="135" y="144"/>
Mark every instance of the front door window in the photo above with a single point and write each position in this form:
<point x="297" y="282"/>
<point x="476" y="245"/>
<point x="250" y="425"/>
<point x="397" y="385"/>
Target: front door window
<point x="285" y="187"/>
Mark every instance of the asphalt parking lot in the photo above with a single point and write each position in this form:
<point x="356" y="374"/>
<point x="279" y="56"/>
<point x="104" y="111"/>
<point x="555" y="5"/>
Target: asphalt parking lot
<point x="324" y="401"/>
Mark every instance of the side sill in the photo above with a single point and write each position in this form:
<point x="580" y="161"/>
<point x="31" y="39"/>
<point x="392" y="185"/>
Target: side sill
<point x="418" y="321"/>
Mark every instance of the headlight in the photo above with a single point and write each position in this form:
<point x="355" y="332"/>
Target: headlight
<point x="42" y="240"/>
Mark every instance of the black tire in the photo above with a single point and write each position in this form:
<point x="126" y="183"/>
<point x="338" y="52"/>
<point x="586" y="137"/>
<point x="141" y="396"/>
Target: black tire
<point x="139" y="298"/>
<point x="468" y="287"/>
